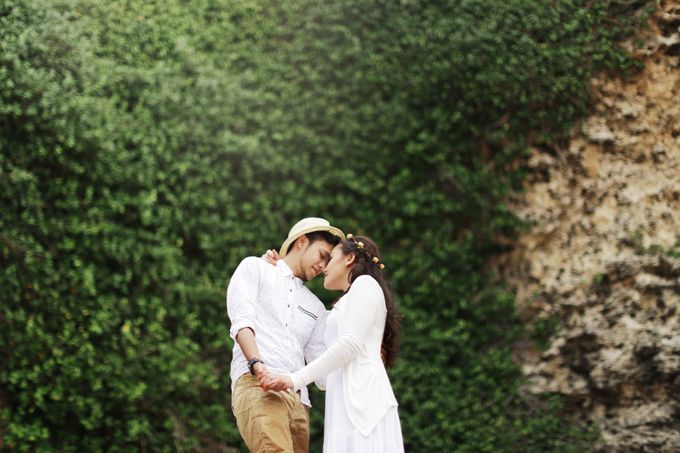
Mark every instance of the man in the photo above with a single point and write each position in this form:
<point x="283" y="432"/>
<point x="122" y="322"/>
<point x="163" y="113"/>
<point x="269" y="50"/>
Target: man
<point x="277" y="324"/>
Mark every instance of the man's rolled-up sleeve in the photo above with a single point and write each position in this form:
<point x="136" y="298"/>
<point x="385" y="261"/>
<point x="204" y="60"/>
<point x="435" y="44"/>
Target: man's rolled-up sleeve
<point x="241" y="297"/>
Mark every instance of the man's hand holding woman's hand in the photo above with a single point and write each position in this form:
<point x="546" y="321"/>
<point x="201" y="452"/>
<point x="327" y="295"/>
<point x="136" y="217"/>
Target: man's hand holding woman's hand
<point x="273" y="381"/>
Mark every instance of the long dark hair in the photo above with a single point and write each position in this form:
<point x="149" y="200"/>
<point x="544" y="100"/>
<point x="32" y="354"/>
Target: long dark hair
<point x="364" y="265"/>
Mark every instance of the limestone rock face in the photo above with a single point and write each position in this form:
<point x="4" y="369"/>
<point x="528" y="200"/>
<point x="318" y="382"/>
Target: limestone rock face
<point x="602" y="256"/>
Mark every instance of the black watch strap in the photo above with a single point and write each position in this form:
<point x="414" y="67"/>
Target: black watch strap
<point x="252" y="362"/>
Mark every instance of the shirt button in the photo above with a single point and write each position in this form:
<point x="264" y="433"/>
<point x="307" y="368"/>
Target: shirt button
<point x="291" y="290"/>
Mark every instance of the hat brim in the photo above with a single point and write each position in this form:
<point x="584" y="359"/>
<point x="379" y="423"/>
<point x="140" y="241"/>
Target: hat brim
<point x="283" y="251"/>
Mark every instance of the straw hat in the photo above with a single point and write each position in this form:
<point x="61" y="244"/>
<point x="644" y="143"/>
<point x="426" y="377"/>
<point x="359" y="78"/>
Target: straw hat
<point x="308" y="225"/>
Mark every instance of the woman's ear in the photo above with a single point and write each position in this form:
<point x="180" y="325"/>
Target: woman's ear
<point x="351" y="257"/>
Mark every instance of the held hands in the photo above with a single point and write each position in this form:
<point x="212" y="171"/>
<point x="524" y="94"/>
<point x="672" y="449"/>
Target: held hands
<point x="271" y="256"/>
<point x="273" y="381"/>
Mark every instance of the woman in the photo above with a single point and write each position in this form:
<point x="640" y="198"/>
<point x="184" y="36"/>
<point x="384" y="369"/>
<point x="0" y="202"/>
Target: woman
<point x="362" y="335"/>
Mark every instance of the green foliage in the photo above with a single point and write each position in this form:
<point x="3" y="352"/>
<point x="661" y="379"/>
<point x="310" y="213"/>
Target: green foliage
<point x="149" y="146"/>
<point x="543" y="329"/>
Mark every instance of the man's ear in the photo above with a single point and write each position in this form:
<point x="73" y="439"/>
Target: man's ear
<point x="302" y="242"/>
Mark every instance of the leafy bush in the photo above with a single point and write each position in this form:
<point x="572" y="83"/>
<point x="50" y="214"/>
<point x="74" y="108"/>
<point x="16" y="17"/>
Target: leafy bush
<point x="148" y="146"/>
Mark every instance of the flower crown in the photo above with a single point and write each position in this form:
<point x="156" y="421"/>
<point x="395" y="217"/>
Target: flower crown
<point x="360" y="245"/>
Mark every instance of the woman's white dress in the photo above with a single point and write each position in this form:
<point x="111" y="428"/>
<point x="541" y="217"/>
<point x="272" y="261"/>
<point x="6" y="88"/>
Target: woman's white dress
<point x="340" y="435"/>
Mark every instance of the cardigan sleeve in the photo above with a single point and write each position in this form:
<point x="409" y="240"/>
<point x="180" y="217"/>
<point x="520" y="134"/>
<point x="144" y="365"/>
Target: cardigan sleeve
<point x="361" y="306"/>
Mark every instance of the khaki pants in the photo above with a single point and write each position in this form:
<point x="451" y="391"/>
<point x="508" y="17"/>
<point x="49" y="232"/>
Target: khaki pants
<point x="270" y="421"/>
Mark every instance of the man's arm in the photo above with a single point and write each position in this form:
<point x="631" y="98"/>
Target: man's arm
<point x="241" y="299"/>
<point x="246" y="341"/>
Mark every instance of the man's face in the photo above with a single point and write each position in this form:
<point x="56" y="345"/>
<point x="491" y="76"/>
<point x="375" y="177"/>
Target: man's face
<point x="314" y="259"/>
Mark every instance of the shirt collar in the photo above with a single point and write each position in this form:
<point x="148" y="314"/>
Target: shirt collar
<point x="287" y="272"/>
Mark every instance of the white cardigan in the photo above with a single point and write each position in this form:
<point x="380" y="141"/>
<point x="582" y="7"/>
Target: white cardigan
<point x="366" y="387"/>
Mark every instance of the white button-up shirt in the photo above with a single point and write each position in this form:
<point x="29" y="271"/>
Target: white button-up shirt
<point x="287" y="318"/>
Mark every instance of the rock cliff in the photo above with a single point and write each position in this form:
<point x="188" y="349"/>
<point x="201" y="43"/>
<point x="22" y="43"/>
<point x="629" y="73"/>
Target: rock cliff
<point x="600" y="262"/>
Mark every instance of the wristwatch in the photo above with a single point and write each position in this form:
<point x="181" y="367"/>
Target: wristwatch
<point x="252" y="362"/>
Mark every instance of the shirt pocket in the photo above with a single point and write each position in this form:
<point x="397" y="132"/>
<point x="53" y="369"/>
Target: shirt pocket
<point x="306" y="321"/>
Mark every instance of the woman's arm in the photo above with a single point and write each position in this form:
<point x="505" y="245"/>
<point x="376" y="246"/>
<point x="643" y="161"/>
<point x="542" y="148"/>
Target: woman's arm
<point x="364" y="302"/>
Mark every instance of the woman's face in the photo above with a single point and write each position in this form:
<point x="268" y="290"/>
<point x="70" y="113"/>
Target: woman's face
<point x="336" y="273"/>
